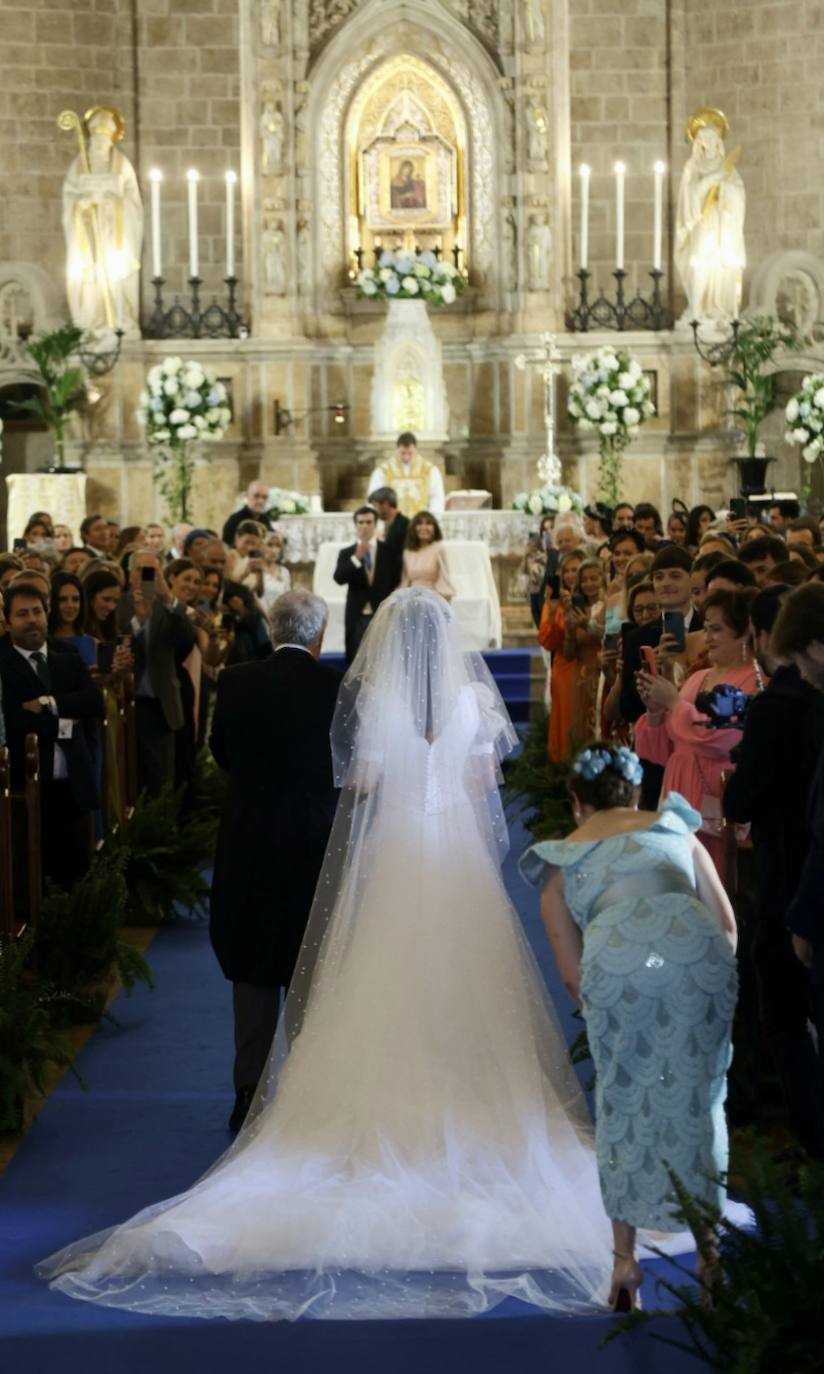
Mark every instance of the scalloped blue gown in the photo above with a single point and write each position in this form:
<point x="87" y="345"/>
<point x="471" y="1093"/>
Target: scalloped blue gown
<point x="658" y="989"/>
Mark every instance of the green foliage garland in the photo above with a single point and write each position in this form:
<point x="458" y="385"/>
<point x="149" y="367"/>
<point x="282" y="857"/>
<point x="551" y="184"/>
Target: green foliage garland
<point x="29" y="1043"/>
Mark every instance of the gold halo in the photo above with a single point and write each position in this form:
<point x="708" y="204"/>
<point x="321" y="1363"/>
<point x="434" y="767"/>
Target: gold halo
<point x="119" y="121"/>
<point x="707" y="116"/>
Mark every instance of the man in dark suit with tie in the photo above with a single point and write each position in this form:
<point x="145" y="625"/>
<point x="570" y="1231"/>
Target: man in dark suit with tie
<point x="271" y="732"/>
<point x="395" y="525"/>
<point x="162" y="635"/>
<point x="47" y="691"/>
<point x="369" y="572"/>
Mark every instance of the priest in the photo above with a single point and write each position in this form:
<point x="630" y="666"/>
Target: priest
<point x="418" y="483"/>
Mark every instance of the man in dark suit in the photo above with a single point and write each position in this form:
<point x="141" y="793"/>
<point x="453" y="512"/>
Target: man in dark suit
<point x="367" y="569"/>
<point x="271" y="732"/>
<point x="395" y="525"/>
<point x="257" y="499"/>
<point x="162" y="635"/>
<point x="47" y="691"/>
<point x="670" y="575"/>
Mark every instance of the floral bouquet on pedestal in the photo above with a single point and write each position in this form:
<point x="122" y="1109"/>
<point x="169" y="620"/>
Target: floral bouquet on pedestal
<point x="182" y="403"/>
<point x="804" y="414"/>
<point x="405" y="276"/>
<point x="282" y="502"/>
<point x="610" y="395"/>
<point x="550" y="499"/>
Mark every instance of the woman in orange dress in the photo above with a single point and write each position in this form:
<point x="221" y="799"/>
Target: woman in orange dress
<point x="556" y="634"/>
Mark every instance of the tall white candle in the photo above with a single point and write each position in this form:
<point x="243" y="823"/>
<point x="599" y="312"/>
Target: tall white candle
<point x="231" y="178"/>
<point x="658" y="216"/>
<point x="584" y="174"/>
<point x="193" y="178"/>
<point x="620" y="171"/>
<point x="155" y="178"/>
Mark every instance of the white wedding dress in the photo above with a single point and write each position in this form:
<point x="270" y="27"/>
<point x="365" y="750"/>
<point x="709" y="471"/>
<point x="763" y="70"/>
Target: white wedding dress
<point x="422" y="1147"/>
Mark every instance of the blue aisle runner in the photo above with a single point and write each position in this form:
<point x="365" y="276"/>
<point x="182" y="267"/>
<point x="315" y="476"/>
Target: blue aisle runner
<point x="152" y="1121"/>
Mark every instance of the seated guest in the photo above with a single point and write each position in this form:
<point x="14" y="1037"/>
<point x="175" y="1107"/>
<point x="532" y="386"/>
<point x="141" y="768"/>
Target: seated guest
<point x="68" y="614"/>
<point x="762" y="555"/>
<point x="94" y="536"/>
<point x="49" y="693"/>
<point x="369" y="572"/>
<point x="160" y="631"/>
<point x="647" y="521"/>
<point x="774" y="768"/>
<point x="257" y="500"/>
<point x="670" y="576"/>
<point x="730" y="576"/>
<point x="674" y="732"/>
<point x="425" y="563"/>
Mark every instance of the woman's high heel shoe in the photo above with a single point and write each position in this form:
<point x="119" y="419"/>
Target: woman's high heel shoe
<point x="624" y="1294"/>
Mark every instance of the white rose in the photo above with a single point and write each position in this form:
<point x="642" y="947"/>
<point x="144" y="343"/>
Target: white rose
<point x="288" y="506"/>
<point x="819" y="398"/>
<point x="410" y="285"/>
<point x="536" y="504"/>
<point x="384" y="274"/>
<point x="603" y="390"/>
<point x="618" y="397"/>
<point x="608" y="428"/>
<point x="171" y="366"/>
<point x="171" y="387"/>
<point x="811" y="452"/>
<point x="631" y="416"/>
<point x="634" y="369"/>
<point x="179" y="416"/>
<point x="791" y="411"/>
<point x="187" y="432"/>
<point x="593" y="410"/>
<point x="199" y="422"/>
<point x="801" y="435"/>
<point x="193" y="377"/>
<point x="448" y="292"/>
<point x="564" y="503"/>
<point x="421" y="270"/>
<point x="625" y="381"/>
<point x="369" y="287"/>
<point x="212" y="415"/>
<point x="161" y="436"/>
<point x="788" y="437"/>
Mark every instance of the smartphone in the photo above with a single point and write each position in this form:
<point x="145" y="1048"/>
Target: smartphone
<point x="738" y="508"/>
<point x="649" y="659"/>
<point x="611" y="642"/>
<point x="105" y="657"/>
<point x="19" y="546"/>
<point x="255" y="553"/>
<point x="147" y="581"/>
<point x="626" y="630"/>
<point x="579" y="602"/>
<point x="674" y="625"/>
<point x="554" y="584"/>
<point x="227" y="621"/>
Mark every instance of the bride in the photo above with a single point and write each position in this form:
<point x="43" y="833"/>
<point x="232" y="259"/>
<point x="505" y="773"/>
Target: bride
<point x="419" y="1145"/>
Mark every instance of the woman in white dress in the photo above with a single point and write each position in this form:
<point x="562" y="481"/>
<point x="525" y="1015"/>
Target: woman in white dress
<point x="419" y="1145"/>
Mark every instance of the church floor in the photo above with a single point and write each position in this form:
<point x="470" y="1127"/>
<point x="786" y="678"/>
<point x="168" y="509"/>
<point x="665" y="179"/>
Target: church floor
<point x="152" y="1120"/>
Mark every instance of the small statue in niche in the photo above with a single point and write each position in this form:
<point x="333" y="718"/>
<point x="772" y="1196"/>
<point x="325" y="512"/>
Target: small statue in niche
<point x="272" y="135"/>
<point x="537" y="132"/>
<point x="270" y="22"/>
<point x="709" y="228"/>
<point x="274" y="257"/>
<point x="534" y="17"/>
<point x="538" y="250"/>
<point x="303" y="255"/>
<point x="509" y="255"/>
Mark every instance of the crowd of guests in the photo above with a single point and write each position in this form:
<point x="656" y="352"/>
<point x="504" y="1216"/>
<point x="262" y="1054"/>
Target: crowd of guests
<point x="662" y="639"/>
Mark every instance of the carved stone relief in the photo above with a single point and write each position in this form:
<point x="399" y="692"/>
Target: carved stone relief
<point x="325" y="16"/>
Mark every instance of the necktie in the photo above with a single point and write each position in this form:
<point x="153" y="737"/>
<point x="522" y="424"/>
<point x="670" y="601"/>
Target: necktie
<point x="367" y="560"/>
<point x="41" y="668"/>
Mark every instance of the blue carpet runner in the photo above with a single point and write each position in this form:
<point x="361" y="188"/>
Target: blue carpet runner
<point x="152" y="1121"/>
<point x="511" y="669"/>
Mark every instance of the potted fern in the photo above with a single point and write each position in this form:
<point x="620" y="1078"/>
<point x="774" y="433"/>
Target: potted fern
<point x="751" y="372"/>
<point x="61" y="384"/>
<point x="29" y="1042"/>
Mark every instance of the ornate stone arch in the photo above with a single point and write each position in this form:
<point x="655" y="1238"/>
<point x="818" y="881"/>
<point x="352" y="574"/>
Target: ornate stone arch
<point x="384" y="29"/>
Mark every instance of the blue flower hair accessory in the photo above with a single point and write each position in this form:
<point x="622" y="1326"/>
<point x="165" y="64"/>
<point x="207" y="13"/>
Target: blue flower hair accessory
<point x="591" y="763"/>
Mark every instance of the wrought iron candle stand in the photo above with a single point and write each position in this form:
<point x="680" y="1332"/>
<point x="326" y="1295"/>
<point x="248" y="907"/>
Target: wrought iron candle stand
<point x="715" y="351"/>
<point x="98" y="362"/>
<point x="602" y="313"/>
<point x="178" y="322"/>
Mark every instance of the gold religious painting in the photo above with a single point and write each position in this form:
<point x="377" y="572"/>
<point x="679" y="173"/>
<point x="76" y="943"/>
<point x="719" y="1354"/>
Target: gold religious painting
<point x="407" y="183"/>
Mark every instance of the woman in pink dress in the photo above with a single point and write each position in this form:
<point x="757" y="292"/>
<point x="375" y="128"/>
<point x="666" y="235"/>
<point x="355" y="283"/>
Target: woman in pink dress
<point x="675" y="733"/>
<point x="424" y="558"/>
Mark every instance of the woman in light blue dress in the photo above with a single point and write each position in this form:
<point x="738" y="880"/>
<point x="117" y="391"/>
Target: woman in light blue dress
<point x="644" y="936"/>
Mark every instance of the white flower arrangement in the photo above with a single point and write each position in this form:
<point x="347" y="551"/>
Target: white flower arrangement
<point x="611" y="397"/>
<point x="180" y="402"/>
<point x="804" y="414"/>
<point x="282" y="502"/>
<point x="406" y="276"/>
<point x="550" y="499"/>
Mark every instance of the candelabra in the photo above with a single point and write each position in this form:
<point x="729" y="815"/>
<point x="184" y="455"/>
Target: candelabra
<point x="620" y="313"/>
<point x="715" y="351"/>
<point x="178" y="322"/>
<point x="99" y="361"/>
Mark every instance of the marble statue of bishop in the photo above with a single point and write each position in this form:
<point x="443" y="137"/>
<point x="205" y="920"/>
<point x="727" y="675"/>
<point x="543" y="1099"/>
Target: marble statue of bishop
<point x="709" y="233"/>
<point x="418" y="482"/>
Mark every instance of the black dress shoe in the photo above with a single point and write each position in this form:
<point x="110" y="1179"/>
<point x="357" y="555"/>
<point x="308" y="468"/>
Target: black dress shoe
<point x="243" y="1101"/>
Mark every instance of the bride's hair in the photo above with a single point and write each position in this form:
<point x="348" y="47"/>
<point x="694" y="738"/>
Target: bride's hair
<point x="604" y="775"/>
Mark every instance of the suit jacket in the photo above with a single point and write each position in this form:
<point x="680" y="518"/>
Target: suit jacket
<point x="229" y="528"/>
<point x="171" y="636"/>
<point x="359" y="593"/>
<point x="806" y="914"/>
<point x="774" y="768"/>
<point x="395" y="538"/>
<point x="271" y="732"/>
<point x="77" y="699"/>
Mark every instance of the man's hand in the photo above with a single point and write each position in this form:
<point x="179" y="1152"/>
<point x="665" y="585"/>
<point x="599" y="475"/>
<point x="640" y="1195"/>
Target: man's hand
<point x="36" y="706"/>
<point x="803" y="950"/>
<point x="362" y="550"/>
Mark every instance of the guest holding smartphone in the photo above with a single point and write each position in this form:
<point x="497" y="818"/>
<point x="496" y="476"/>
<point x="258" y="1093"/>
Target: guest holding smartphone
<point x="571" y="628"/>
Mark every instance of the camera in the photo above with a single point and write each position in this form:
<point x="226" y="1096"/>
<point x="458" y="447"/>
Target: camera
<point x="726" y="707"/>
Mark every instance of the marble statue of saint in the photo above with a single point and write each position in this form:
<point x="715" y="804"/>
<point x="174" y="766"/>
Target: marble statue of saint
<point x="534" y="15"/>
<point x="270" y="19"/>
<point x="274" y="258"/>
<point x="272" y="134"/>
<point x="103" y="227"/>
<point x="538" y="251"/>
<point x="537" y="130"/>
<point x="709" y="231"/>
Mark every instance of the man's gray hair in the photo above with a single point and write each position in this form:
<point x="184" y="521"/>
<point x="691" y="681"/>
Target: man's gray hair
<point x="298" y="617"/>
<point x="387" y="494"/>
